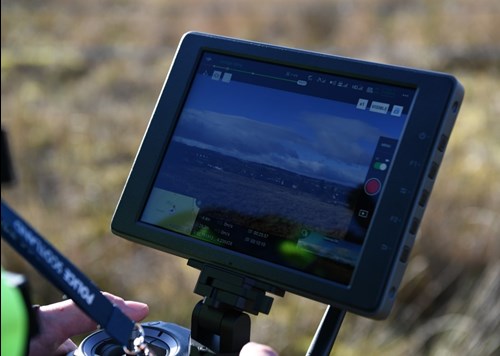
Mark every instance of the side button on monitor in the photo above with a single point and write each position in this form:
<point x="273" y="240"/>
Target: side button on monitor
<point x="405" y="254"/>
<point x="414" y="226"/>
<point x="423" y="198"/>
<point x="433" y="171"/>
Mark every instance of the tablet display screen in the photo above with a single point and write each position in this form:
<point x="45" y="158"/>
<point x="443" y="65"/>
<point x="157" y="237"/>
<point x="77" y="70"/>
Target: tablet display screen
<point x="279" y="163"/>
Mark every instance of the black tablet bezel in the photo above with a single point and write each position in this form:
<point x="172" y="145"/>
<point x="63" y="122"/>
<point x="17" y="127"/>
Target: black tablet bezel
<point x="393" y="227"/>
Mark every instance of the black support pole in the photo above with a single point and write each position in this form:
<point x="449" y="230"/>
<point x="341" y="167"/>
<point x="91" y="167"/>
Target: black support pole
<point x="327" y="331"/>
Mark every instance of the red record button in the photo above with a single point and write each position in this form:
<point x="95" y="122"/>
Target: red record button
<point x="372" y="186"/>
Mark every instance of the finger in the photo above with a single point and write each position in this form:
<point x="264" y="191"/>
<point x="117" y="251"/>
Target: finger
<point x="254" y="349"/>
<point x="66" y="347"/>
<point x="134" y="310"/>
<point x="65" y="319"/>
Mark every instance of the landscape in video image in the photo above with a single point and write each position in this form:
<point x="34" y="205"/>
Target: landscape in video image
<point x="257" y="196"/>
<point x="285" y="168"/>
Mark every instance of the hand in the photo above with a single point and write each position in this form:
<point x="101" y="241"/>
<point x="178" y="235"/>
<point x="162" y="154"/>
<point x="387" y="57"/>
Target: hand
<point x="254" y="349"/>
<point x="60" y="321"/>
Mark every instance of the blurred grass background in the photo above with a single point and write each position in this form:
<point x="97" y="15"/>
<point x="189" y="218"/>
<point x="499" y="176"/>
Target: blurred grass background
<point x="79" y="80"/>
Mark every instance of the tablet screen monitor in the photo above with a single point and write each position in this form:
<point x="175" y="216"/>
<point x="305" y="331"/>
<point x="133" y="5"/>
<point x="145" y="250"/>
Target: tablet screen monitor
<point x="302" y="169"/>
<point x="279" y="163"/>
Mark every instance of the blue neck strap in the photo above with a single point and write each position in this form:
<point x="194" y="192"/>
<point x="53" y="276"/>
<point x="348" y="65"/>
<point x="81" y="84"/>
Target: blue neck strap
<point x="65" y="276"/>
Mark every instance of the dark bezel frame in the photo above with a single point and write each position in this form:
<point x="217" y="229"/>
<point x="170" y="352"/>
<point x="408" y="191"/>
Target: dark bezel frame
<point x="395" y="222"/>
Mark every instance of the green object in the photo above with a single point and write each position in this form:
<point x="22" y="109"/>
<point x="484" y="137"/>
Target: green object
<point x="15" y="321"/>
<point x="295" y="255"/>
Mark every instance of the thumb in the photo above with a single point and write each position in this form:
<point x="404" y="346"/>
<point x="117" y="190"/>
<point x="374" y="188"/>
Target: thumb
<point x="254" y="349"/>
<point x="63" y="320"/>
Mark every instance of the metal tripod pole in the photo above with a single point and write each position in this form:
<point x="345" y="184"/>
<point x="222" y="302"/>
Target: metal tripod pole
<point x="327" y="331"/>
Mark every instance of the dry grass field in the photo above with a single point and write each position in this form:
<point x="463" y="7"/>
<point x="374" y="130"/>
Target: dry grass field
<point x="79" y="80"/>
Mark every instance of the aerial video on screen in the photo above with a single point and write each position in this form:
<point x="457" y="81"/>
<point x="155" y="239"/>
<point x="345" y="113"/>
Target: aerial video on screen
<point x="260" y="164"/>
